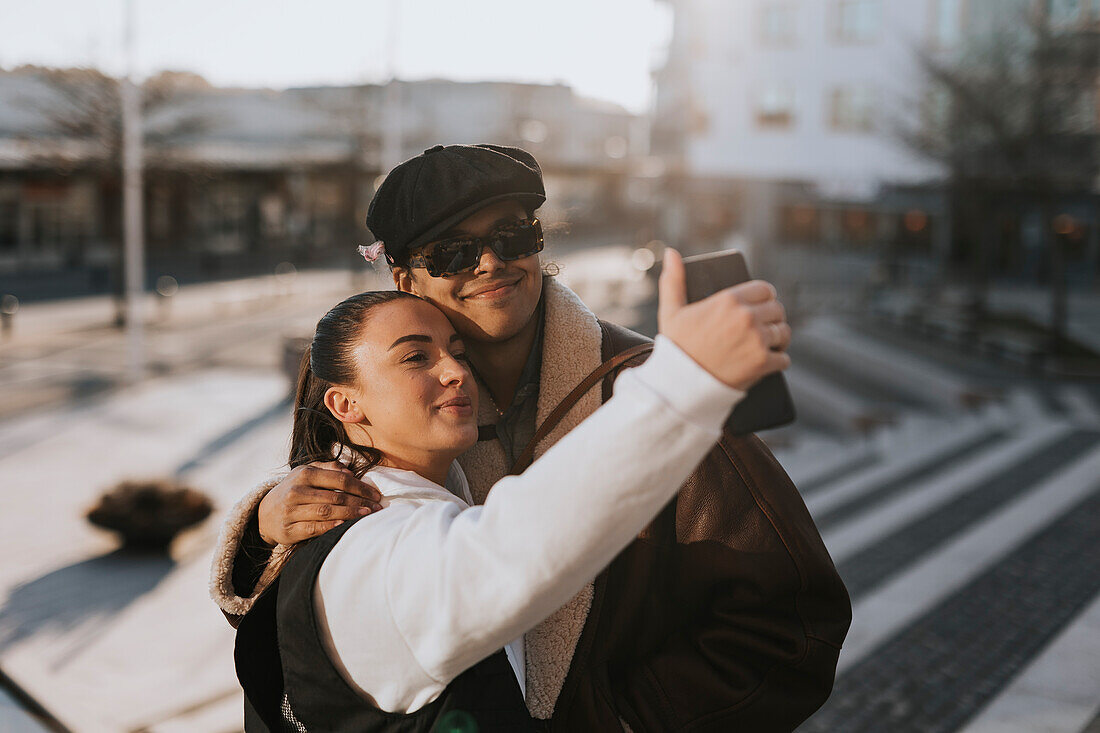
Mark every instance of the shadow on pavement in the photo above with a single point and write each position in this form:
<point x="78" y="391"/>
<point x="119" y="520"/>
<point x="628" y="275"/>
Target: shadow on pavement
<point x="229" y="437"/>
<point x="96" y="588"/>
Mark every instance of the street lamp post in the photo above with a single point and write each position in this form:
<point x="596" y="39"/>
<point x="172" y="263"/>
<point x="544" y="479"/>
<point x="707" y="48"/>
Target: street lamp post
<point x="392" y="137"/>
<point x="132" y="214"/>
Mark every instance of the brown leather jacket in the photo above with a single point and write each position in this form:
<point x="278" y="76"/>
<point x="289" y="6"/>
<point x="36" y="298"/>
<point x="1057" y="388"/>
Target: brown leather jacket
<point x="726" y="614"/>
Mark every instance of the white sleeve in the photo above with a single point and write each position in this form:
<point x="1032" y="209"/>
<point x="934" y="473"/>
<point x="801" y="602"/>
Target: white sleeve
<point x="460" y="584"/>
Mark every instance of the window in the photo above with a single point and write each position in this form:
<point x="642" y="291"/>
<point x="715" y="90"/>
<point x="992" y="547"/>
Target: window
<point x="221" y="217"/>
<point x="272" y="215"/>
<point x="57" y="214"/>
<point x="858" y="226"/>
<point x="777" y="23"/>
<point x="852" y="109"/>
<point x="1065" y="12"/>
<point x="947" y="22"/>
<point x="800" y="223"/>
<point x="775" y="107"/>
<point x="9" y="225"/>
<point x="858" y="21"/>
<point x="160" y="212"/>
<point x="914" y="232"/>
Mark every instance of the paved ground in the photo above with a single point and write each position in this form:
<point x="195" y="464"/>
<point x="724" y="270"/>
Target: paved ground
<point x="113" y="642"/>
<point x="967" y="540"/>
<point x="68" y="351"/>
<point x="960" y="497"/>
<point x="937" y="672"/>
<point x="16" y="715"/>
<point x="964" y="518"/>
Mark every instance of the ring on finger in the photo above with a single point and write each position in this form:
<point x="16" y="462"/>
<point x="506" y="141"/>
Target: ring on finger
<point x="776" y="334"/>
<point x="781" y="339"/>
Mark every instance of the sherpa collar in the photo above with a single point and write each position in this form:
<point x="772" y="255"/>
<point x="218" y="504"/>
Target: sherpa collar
<point x="571" y="349"/>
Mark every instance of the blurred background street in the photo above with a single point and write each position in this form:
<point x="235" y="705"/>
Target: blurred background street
<point x="919" y="179"/>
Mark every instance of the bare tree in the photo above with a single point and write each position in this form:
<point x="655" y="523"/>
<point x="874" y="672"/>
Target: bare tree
<point x="1012" y="118"/>
<point x="85" y="106"/>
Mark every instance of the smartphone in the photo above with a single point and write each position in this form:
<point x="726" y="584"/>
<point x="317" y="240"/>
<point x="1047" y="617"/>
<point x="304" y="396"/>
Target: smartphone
<point x="768" y="403"/>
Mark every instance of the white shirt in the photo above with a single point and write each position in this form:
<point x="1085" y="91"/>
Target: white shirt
<point x="412" y="596"/>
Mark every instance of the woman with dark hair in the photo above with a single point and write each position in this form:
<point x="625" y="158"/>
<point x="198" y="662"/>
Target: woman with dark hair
<point x="412" y="618"/>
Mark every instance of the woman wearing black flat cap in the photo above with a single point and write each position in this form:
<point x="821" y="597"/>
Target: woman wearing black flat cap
<point x="725" y="613"/>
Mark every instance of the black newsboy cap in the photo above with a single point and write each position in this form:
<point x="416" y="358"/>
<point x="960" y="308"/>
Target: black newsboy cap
<point x="425" y="196"/>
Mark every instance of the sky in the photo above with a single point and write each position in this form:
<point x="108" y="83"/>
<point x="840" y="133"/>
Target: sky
<point x="602" y="48"/>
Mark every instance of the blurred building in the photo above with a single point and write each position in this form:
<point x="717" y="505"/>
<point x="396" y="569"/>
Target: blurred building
<point x="587" y="148"/>
<point x="235" y="181"/>
<point x="791" y="123"/>
<point x="239" y="180"/>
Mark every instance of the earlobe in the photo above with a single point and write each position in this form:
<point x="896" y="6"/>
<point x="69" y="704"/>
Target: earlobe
<point x="343" y="407"/>
<point x="355" y="415"/>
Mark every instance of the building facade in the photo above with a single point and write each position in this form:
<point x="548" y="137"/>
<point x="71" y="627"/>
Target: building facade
<point x="238" y="181"/>
<point x="790" y="122"/>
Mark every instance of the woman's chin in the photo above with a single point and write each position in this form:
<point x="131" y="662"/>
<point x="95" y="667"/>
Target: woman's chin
<point x="457" y="438"/>
<point x="467" y="439"/>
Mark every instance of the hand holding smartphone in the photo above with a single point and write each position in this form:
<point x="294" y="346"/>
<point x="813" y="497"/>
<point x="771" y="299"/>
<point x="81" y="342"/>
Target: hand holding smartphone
<point x="768" y="403"/>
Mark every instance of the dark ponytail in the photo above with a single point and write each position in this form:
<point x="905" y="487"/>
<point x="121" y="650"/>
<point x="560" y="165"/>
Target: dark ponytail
<point x="329" y="361"/>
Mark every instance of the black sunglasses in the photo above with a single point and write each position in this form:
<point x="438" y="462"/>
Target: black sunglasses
<point x="461" y="254"/>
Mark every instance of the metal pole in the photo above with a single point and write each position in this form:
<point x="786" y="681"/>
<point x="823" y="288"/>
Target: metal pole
<point x="392" y="143"/>
<point x="132" y="214"/>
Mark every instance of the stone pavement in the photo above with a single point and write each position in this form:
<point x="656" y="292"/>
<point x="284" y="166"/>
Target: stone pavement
<point x="936" y="673"/>
<point x="104" y="641"/>
<point x="68" y="351"/>
<point x="15" y="718"/>
<point x="965" y="529"/>
<point x="967" y="539"/>
<point x="112" y="642"/>
<point x="200" y="301"/>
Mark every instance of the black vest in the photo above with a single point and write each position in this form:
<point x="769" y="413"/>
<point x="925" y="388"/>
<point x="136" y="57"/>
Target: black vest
<point x="279" y="652"/>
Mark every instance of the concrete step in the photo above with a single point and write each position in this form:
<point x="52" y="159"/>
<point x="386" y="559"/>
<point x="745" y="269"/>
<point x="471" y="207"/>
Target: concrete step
<point x="1081" y="405"/>
<point x="920" y="494"/>
<point x="901" y="497"/>
<point x="911" y="449"/>
<point x="888" y="367"/>
<point x="961" y="651"/>
<point x="816" y="461"/>
<point x="16" y="718"/>
<point x="910" y="591"/>
<point x="1057" y="691"/>
<point x="875" y="563"/>
<point x="821" y="402"/>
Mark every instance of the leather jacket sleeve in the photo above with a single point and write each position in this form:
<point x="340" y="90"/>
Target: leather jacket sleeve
<point x="751" y="615"/>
